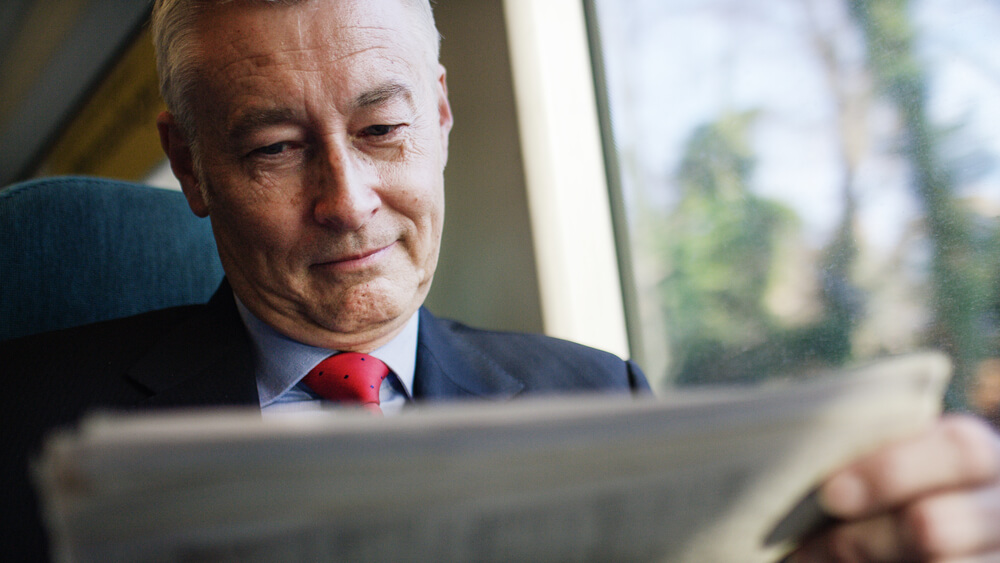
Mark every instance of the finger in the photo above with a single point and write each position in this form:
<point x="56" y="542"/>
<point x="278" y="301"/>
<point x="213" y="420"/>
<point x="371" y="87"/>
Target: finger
<point x="872" y="540"/>
<point x="983" y="558"/>
<point x="946" y="527"/>
<point x="955" y="523"/>
<point x="958" y="451"/>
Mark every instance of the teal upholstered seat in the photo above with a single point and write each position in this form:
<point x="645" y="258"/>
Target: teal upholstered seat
<point x="75" y="250"/>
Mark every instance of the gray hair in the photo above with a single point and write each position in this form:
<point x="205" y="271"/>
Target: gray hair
<point x="172" y="26"/>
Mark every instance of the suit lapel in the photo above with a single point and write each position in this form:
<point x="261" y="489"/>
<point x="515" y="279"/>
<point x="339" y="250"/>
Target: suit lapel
<point x="206" y="360"/>
<point x="451" y="367"/>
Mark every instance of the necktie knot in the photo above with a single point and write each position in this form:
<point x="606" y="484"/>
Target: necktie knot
<point x="349" y="377"/>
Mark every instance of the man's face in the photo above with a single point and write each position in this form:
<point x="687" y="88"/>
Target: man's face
<point x="323" y="132"/>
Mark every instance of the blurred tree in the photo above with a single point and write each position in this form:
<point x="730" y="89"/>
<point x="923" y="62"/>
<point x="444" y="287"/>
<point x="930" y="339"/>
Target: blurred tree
<point x="959" y="292"/>
<point x="719" y="244"/>
<point x="842" y="300"/>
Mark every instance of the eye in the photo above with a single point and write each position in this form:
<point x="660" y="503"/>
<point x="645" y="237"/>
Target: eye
<point x="378" y="130"/>
<point x="272" y="149"/>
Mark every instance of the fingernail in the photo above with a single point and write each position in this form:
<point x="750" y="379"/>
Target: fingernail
<point x="844" y="495"/>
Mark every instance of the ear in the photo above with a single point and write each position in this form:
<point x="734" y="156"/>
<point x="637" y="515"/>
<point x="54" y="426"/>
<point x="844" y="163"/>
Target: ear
<point x="178" y="151"/>
<point x="445" y="118"/>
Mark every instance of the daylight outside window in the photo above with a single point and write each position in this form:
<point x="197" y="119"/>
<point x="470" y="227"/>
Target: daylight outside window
<point x="805" y="183"/>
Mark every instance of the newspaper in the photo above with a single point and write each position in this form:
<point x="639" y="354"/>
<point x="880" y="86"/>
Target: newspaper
<point x="722" y="475"/>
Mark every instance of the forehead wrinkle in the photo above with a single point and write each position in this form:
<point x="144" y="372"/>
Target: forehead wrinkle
<point x="330" y="40"/>
<point x="291" y="51"/>
<point x="297" y="48"/>
<point x="310" y="57"/>
<point x="267" y="60"/>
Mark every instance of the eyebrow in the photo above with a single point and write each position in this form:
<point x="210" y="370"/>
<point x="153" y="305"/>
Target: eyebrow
<point x="253" y="120"/>
<point x="382" y="94"/>
<point x="256" y="119"/>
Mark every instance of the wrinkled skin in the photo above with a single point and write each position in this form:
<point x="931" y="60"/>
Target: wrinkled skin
<point x="323" y="136"/>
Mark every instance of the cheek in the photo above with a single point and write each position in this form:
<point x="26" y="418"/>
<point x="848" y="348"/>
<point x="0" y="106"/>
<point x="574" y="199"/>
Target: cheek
<point x="252" y="223"/>
<point x="425" y="209"/>
<point x="420" y="212"/>
<point x="431" y="236"/>
<point x="416" y="191"/>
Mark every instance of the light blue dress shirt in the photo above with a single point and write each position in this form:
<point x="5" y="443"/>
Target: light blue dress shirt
<point x="280" y="363"/>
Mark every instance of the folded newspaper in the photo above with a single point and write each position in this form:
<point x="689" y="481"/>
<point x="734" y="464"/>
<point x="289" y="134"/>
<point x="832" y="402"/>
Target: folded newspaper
<point x="704" y="476"/>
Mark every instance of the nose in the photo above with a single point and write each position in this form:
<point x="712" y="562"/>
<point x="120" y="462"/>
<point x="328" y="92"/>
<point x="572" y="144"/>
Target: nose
<point x="346" y="196"/>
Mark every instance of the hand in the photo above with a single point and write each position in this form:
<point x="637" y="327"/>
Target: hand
<point x="935" y="497"/>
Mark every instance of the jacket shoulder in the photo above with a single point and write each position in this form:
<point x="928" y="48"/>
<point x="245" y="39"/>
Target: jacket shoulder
<point x="56" y="370"/>
<point x="547" y="364"/>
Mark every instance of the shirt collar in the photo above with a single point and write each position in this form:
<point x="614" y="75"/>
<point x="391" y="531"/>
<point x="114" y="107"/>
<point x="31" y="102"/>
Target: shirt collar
<point x="280" y="362"/>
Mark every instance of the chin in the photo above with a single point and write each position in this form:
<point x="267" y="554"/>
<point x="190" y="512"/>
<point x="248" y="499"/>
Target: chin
<point x="368" y="307"/>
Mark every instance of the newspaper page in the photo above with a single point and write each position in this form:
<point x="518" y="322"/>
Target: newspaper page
<point x="721" y="475"/>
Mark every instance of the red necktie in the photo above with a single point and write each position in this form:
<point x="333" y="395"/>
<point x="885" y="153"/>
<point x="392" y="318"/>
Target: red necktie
<point x="349" y="377"/>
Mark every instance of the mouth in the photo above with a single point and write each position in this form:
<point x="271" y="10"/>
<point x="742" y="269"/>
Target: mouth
<point x="359" y="261"/>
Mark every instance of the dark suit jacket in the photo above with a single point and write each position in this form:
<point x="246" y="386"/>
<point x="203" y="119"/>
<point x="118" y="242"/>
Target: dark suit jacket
<point x="200" y="355"/>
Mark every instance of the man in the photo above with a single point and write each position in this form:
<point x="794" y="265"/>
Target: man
<point x="314" y="136"/>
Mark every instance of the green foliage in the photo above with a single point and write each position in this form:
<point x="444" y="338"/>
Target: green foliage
<point x="721" y="244"/>
<point x="720" y="247"/>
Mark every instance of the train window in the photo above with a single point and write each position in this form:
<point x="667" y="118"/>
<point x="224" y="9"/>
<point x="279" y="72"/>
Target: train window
<point x="805" y="183"/>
